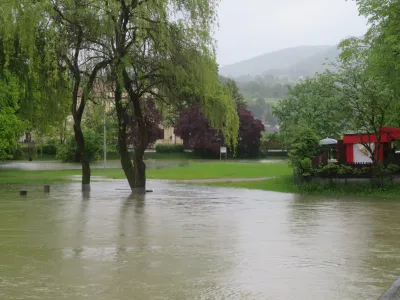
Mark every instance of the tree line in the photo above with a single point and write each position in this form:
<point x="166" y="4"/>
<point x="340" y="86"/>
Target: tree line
<point x="360" y="94"/>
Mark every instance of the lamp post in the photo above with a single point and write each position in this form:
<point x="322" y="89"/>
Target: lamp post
<point x="105" y="138"/>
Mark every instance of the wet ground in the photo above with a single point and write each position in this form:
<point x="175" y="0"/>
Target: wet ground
<point x="188" y="242"/>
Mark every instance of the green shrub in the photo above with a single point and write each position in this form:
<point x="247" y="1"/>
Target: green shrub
<point x="167" y="148"/>
<point x="49" y="149"/>
<point x="303" y="149"/>
<point x="24" y="151"/>
<point x="271" y="141"/>
<point x="392" y="168"/>
<point x="69" y="152"/>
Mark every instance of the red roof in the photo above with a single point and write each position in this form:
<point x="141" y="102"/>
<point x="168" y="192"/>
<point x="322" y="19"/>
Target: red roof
<point x="387" y="135"/>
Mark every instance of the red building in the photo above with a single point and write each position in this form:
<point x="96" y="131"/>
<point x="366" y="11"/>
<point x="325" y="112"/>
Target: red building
<point x="358" y="154"/>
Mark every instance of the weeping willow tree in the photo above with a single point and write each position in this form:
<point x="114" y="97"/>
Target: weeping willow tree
<point x="163" y="48"/>
<point x="58" y="40"/>
<point x="35" y="100"/>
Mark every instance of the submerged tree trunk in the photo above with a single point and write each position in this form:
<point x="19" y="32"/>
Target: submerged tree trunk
<point x="141" y="144"/>
<point x="80" y="140"/>
<point x="126" y="161"/>
<point x="140" y="167"/>
<point x="135" y="172"/>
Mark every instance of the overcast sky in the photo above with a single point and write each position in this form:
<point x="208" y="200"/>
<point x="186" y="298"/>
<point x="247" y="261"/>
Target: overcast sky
<point x="253" y="27"/>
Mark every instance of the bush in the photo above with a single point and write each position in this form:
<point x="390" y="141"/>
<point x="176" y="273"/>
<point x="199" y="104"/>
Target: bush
<point x="271" y="141"/>
<point x="24" y="151"/>
<point x="302" y="151"/>
<point x="69" y="152"/>
<point x="49" y="149"/>
<point x="167" y="148"/>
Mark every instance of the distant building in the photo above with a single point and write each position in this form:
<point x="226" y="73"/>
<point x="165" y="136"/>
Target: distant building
<point x="169" y="137"/>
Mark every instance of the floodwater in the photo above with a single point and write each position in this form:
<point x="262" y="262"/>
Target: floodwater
<point x="188" y="242"/>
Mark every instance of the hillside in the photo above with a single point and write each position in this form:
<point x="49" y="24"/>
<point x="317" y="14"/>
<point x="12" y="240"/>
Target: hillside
<point x="291" y="62"/>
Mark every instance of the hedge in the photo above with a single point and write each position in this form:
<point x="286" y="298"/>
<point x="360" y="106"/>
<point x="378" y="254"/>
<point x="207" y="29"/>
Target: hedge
<point x="169" y="148"/>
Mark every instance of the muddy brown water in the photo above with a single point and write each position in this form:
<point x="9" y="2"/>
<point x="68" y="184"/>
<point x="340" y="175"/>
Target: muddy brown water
<point x="188" y="242"/>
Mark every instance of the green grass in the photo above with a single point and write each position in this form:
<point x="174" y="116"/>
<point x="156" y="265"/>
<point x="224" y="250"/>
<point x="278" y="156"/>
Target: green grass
<point x="160" y="156"/>
<point x="284" y="184"/>
<point x="282" y="181"/>
<point x="213" y="170"/>
<point x="204" y="170"/>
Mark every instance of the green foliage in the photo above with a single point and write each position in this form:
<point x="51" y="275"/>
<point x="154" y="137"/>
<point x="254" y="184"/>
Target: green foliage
<point x="233" y="90"/>
<point x="24" y="151"/>
<point x="335" y="169"/>
<point x="316" y="103"/>
<point x="169" y="148"/>
<point x="49" y="149"/>
<point x="69" y="152"/>
<point x="11" y="127"/>
<point x="303" y="149"/>
<point x="375" y="57"/>
<point x="271" y="141"/>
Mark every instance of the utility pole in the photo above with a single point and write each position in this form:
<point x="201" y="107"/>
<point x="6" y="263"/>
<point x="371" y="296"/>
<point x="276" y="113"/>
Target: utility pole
<point x="105" y="138"/>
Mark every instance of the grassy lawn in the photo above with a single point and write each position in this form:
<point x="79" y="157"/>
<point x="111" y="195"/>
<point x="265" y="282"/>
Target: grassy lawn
<point x="197" y="170"/>
<point x="282" y="181"/>
<point x="213" y="170"/>
<point x="284" y="184"/>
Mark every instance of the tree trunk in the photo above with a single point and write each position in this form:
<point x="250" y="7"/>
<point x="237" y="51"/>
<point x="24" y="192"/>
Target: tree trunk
<point x="140" y="147"/>
<point x="125" y="157"/>
<point x="140" y="169"/>
<point x="83" y="154"/>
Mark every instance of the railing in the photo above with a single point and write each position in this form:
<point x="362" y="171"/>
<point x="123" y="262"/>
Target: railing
<point x="393" y="293"/>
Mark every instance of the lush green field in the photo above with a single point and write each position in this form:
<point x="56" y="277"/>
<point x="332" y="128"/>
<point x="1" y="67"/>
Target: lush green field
<point x="197" y="170"/>
<point x="284" y="184"/>
<point x="281" y="184"/>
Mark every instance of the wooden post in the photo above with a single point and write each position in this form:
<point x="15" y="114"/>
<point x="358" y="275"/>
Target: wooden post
<point x="23" y="193"/>
<point x="47" y="188"/>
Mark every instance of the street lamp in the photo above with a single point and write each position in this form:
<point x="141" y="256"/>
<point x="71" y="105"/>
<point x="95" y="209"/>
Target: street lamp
<point x="105" y="138"/>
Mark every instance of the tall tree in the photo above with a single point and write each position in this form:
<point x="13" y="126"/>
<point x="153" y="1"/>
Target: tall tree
<point x="67" y="51"/>
<point x="370" y="97"/>
<point x="194" y="128"/>
<point x="316" y="103"/>
<point x="153" y="120"/>
<point x="165" y="49"/>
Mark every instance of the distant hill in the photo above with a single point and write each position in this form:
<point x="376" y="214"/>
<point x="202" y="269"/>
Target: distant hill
<point x="291" y="62"/>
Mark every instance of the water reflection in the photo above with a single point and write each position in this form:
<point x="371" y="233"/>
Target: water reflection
<point x="187" y="242"/>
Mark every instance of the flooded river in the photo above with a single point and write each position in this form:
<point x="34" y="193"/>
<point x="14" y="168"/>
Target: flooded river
<point x="187" y="242"/>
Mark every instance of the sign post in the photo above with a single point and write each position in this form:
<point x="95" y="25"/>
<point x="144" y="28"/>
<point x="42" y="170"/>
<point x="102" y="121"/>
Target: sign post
<point x="223" y="150"/>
